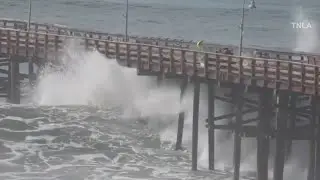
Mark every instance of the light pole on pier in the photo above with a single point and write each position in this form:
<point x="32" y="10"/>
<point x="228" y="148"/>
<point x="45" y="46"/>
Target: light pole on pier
<point x="127" y="13"/>
<point x="252" y="5"/>
<point x="29" y="19"/>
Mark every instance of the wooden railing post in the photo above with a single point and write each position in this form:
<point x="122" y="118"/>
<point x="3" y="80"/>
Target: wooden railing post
<point x="106" y="48"/>
<point x="241" y="70"/>
<point x="117" y="52"/>
<point x="218" y="78"/>
<point x="303" y="76"/>
<point x="183" y="62"/>
<point x="149" y="58"/>
<point x="17" y="43"/>
<point x="36" y="27"/>
<point x="140" y="65"/>
<point x="206" y="65"/>
<point x="195" y="68"/>
<point x="5" y="23"/>
<point x="46" y="46"/>
<point x="278" y="72"/>
<point x="97" y="46"/>
<point x="36" y="43"/>
<point x="229" y="74"/>
<point x="128" y="62"/>
<point x="161" y="60"/>
<point x="265" y="73"/>
<point x="316" y="81"/>
<point x="172" y="64"/>
<point x="8" y="42"/>
<point x="86" y="43"/>
<point x="27" y="44"/>
<point x="253" y="70"/>
<point x="56" y="47"/>
<point x="290" y="76"/>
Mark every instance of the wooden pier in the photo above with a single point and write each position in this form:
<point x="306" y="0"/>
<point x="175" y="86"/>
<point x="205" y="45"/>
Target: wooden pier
<point x="282" y="90"/>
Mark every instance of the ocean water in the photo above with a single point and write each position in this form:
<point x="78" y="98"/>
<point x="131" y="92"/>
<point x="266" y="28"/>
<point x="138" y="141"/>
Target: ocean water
<point x="100" y="121"/>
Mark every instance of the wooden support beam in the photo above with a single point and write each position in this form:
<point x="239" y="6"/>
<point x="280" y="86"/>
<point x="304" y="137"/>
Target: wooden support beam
<point x="281" y="124"/>
<point x="231" y="115"/>
<point x="263" y="136"/>
<point x="196" y="101"/>
<point x="249" y="120"/>
<point x="238" y="97"/>
<point x="291" y="124"/>
<point x="183" y="87"/>
<point x="211" y="133"/>
<point x="247" y="104"/>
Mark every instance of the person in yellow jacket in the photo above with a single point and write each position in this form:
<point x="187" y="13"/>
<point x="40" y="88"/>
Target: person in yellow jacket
<point x="200" y="46"/>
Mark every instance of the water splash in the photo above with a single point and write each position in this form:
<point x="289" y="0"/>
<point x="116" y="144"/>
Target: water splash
<point x="88" y="78"/>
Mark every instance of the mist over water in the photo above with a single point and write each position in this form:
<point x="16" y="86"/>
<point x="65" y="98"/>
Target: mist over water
<point x="306" y="38"/>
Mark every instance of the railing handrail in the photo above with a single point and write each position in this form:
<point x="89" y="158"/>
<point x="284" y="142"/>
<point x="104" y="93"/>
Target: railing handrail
<point x="170" y="40"/>
<point x="164" y="47"/>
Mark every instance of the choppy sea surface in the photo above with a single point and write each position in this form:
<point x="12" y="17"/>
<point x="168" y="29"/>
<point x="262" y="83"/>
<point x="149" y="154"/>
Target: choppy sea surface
<point x="84" y="143"/>
<point x="100" y="121"/>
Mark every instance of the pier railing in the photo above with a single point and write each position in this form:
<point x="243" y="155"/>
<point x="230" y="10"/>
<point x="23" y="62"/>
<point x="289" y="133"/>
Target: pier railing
<point x="151" y="59"/>
<point x="64" y="30"/>
<point x="310" y="58"/>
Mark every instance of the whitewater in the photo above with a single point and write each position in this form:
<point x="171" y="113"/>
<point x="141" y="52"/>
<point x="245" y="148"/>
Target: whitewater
<point x="97" y="120"/>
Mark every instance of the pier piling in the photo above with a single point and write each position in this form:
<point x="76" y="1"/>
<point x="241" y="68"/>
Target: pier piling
<point x="291" y="124"/>
<point x="183" y="87"/>
<point x="281" y="124"/>
<point x="14" y="81"/>
<point x="211" y="133"/>
<point x="195" y="124"/>
<point x="239" y="90"/>
<point x="263" y="136"/>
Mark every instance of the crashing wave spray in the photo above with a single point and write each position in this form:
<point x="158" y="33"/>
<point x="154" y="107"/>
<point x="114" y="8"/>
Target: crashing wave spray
<point x="90" y="78"/>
